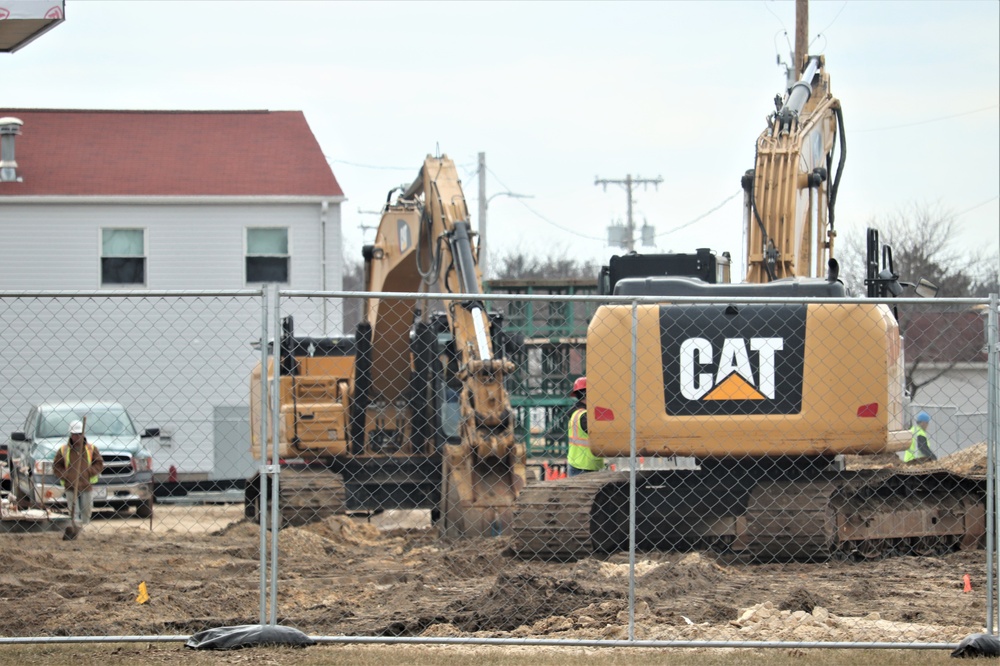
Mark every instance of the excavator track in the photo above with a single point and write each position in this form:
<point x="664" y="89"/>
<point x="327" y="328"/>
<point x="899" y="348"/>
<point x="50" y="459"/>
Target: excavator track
<point x="861" y="514"/>
<point x="552" y="519"/>
<point x="305" y="496"/>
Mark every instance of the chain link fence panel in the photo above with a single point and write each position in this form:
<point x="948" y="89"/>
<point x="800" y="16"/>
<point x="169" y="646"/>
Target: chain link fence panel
<point x="748" y="487"/>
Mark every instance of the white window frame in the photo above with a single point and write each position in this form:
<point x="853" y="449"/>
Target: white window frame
<point x="101" y="257"/>
<point x="287" y="257"/>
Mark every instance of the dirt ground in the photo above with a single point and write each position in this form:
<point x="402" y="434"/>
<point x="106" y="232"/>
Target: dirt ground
<point x="394" y="577"/>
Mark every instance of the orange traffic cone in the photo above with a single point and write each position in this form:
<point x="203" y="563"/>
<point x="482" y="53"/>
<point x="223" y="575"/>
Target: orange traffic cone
<point x="562" y="474"/>
<point x="968" y="583"/>
<point x="546" y="472"/>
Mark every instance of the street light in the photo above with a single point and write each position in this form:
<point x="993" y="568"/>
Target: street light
<point x="483" y="256"/>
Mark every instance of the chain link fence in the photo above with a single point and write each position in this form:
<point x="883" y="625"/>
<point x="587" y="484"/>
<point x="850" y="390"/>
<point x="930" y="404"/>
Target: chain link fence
<point x="741" y="472"/>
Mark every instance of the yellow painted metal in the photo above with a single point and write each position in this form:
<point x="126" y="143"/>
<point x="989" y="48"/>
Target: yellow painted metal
<point x="794" y="222"/>
<point x="852" y="358"/>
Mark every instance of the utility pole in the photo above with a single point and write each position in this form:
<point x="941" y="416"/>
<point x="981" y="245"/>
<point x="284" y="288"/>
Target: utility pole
<point x="801" y="35"/>
<point x="483" y="255"/>
<point x="484" y="204"/>
<point x="628" y="184"/>
<point x="365" y="227"/>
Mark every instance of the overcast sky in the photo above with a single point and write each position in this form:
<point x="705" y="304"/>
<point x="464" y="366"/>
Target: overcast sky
<point x="559" y="93"/>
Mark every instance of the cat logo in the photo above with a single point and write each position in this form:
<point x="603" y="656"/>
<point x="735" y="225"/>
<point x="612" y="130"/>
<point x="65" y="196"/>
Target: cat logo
<point x="734" y="377"/>
<point x="719" y="360"/>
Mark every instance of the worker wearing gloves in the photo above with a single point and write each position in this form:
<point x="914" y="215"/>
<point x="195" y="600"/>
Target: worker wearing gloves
<point x="579" y="459"/>
<point x="920" y="449"/>
<point x="77" y="465"/>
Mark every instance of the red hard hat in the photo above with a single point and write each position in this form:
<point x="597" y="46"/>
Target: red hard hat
<point x="580" y="385"/>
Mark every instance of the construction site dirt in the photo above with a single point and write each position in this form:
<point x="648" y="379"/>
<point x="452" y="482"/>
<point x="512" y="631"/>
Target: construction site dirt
<point x="391" y="575"/>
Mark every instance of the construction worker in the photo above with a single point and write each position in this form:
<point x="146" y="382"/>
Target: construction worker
<point x="579" y="459"/>
<point x="920" y="449"/>
<point x="77" y="465"/>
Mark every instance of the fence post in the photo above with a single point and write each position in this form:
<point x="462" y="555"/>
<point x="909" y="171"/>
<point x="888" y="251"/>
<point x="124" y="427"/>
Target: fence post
<point x="275" y="431"/>
<point x="992" y="478"/>
<point x="633" y="406"/>
<point x="262" y="465"/>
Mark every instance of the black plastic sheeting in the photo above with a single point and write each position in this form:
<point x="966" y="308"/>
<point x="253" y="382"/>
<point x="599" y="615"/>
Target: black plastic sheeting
<point x="978" y="645"/>
<point x="247" y="635"/>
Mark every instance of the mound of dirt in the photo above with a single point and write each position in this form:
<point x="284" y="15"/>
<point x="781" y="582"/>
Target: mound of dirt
<point x="693" y="572"/>
<point x="345" y="531"/>
<point x="970" y="461"/>
<point x="802" y="600"/>
<point x="519" y="598"/>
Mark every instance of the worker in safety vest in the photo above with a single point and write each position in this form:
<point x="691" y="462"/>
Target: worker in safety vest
<point x="920" y="449"/>
<point x="77" y="465"/>
<point x="580" y="459"/>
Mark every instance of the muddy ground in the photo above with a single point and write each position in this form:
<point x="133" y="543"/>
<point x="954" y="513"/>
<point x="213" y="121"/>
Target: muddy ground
<point x="394" y="576"/>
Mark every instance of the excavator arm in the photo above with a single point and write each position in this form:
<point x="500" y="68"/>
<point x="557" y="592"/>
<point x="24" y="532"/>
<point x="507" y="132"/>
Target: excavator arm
<point x="425" y="244"/>
<point x="487" y="418"/>
<point x="790" y="194"/>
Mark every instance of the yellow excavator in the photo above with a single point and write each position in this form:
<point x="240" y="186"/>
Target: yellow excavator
<point x="765" y="400"/>
<point x="411" y="412"/>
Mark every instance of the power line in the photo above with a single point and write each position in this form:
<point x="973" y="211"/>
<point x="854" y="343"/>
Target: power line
<point x="578" y="234"/>
<point x="369" y="166"/>
<point x="842" y="7"/>
<point x="978" y="205"/>
<point x="932" y="120"/>
<point x="702" y="216"/>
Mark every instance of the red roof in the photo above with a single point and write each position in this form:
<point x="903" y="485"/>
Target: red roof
<point x="168" y="153"/>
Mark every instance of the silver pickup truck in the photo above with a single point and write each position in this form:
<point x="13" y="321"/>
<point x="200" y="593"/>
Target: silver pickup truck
<point x="127" y="479"/>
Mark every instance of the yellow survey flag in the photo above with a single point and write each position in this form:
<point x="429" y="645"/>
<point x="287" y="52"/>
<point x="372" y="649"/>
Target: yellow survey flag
<point x="143" y="594"/>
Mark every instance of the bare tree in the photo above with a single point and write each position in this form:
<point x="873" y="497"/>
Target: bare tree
<point x="519" y="265"/>
<point x="922" y="240"/>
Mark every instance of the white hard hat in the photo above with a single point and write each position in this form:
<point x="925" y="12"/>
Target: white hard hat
<point x="76" y="427"/>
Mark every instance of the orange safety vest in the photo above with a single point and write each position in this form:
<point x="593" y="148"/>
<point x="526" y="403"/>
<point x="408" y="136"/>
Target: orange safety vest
<point x="90" y="461"/>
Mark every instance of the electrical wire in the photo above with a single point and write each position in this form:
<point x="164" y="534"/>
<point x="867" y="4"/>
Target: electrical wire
<point x="702" y="216"/>
<point x="821" y="32"/>
<point x="776" y="16"/>
<point x="932" y="120"/>
<point x="368" y="166"/>
<point x="579" y="235"/>
<point x="978" y="205"/>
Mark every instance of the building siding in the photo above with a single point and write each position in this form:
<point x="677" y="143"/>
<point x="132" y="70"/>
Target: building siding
<point x="173" y="362"/>
<point x="187" y="246"/>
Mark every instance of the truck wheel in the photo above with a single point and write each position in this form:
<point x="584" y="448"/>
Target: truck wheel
<point x="144" y="510"/>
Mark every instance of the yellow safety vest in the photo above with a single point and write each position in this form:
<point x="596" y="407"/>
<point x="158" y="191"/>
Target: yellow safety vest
<point x="913" y="453"/>
<point x="90" y="461"/>
<point x="579" y="455"/>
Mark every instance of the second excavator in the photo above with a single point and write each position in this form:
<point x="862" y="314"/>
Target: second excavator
<point x="411" y="412"/>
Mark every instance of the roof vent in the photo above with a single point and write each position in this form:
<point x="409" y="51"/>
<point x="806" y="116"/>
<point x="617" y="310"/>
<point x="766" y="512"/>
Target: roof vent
<point x="9" y="129"/>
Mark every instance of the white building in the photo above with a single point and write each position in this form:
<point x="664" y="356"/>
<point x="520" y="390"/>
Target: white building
<point x="156" y="200"/>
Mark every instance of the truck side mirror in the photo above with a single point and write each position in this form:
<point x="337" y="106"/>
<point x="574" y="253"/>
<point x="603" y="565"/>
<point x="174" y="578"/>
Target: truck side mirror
<point x="151" y="432"/>
<point x="18" y="437"/>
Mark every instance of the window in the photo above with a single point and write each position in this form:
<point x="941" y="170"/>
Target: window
<point x="267" y="254"/>
<point x="123" y="257"/>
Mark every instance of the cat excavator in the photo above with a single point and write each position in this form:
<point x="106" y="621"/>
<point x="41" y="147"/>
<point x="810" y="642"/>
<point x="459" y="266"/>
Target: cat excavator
<point x="410" y="412"/>
<point x="766" y="400"/>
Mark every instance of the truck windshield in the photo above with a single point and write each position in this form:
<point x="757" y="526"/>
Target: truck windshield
<point x="103" y="421"/>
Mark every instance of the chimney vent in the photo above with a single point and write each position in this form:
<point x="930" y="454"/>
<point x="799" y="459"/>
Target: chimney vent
<point x="9" y="129"/>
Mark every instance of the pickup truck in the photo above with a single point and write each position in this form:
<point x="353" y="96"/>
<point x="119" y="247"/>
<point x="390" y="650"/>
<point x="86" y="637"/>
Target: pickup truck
<point x="127" y="479"/>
